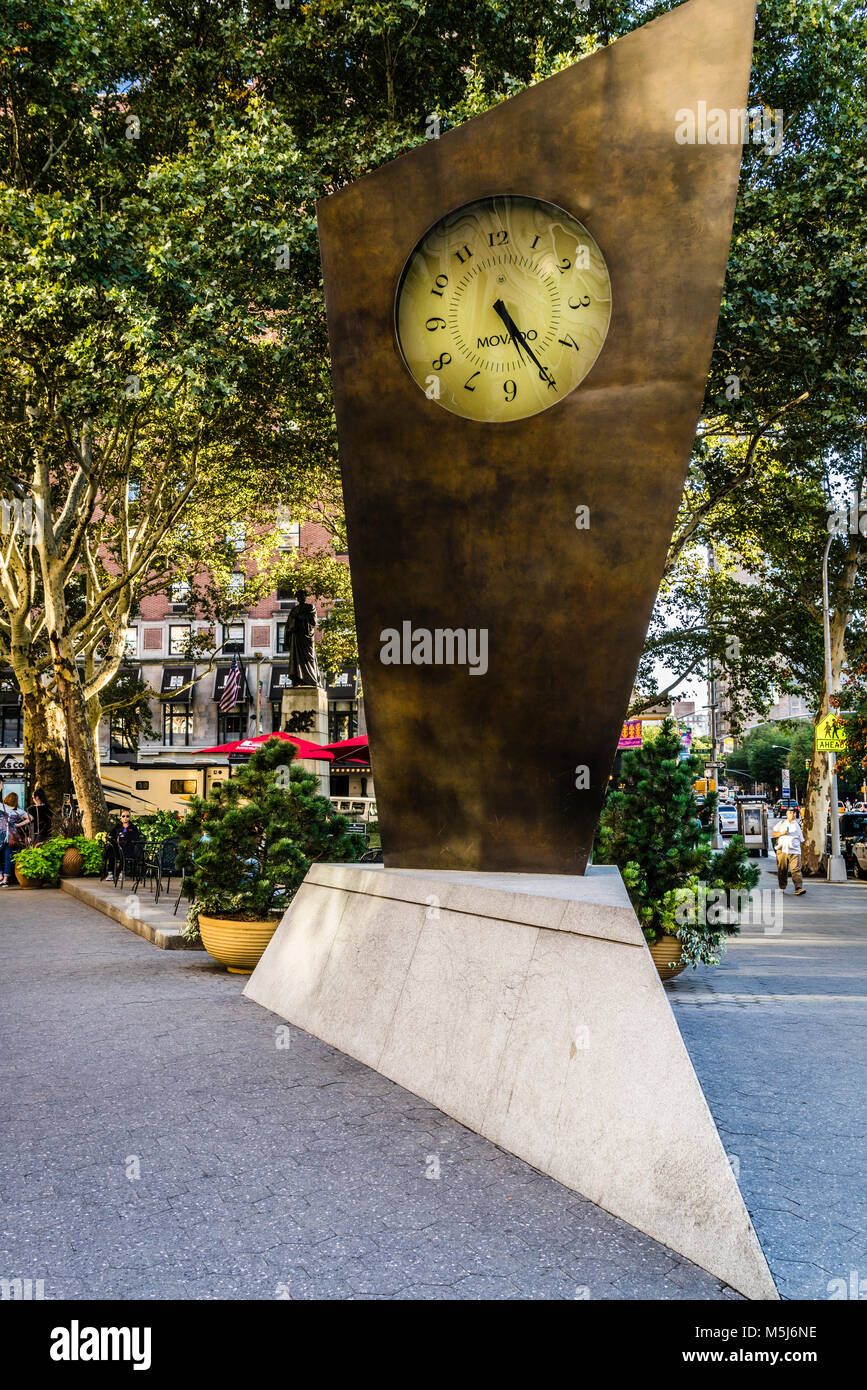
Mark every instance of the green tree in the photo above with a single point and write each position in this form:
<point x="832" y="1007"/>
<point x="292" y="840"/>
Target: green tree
<point x="248" y="846"/>
<point x="651" y="829"/>
<point x="157" y="163"/>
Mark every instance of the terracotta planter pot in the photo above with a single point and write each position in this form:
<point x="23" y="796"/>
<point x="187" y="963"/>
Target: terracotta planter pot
<point x="72" y="864"/>
<point x="667" y="958"/>
<point x="31" y="882"/>
<point x="235" y="943"/>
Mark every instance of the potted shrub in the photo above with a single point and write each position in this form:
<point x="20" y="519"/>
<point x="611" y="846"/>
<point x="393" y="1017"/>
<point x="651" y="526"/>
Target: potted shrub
<point x="653" y="830"/>
<point x="247" y="848"/>
<point x="81" y="857"/>
<point x="38" y="866"/>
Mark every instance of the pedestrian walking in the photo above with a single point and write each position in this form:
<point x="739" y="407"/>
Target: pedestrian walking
<point x="788" y="837"/>
<point x="12" y="823"/>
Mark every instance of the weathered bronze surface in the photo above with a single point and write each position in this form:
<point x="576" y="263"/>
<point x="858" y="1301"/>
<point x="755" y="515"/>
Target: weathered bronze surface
<point x="459" y="524"/>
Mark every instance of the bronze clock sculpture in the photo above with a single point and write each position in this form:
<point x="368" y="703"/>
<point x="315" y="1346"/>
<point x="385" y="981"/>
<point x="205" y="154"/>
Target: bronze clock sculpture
<point x="521" y="315"/>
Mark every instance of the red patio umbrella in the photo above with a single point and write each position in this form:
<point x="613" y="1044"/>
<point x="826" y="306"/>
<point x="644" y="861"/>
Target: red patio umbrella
<point x="351" y="750"/>
<point x="305" y="748"/>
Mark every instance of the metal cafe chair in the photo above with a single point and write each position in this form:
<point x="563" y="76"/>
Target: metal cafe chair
<point x="132" y="862"/>
<point x="163" y="865"/>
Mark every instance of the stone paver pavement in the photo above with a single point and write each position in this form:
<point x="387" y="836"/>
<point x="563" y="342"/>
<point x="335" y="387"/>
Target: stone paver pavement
<point x="778" y="1035"/>
<point x="269" y="1170"/>
<point x="264" y="1170"/>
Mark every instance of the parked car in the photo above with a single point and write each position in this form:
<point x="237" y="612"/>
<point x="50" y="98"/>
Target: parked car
<point x="853" y="828"/>
<point x="728" y="820"/>
<point x="859" y="858"/>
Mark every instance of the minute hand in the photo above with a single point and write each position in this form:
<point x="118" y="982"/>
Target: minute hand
<point x="517" y="336"/>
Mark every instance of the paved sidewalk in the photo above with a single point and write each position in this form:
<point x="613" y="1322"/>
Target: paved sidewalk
<point x="271" y="1171"/>
<point x="263" y="1168"/>
<point x="159" y="924"/>
<point x="778" y="1036"/>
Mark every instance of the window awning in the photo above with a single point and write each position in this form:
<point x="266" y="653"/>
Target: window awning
<point x="346" y="685"/>
<point x="174" y="677"/>
<point x="279" y="681"/>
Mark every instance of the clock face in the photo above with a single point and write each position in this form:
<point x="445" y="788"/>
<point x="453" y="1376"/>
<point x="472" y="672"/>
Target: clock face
<point x="503" y="308"/>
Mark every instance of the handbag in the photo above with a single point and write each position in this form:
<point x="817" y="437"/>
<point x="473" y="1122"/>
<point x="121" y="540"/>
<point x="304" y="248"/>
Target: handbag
<point x="14" y="836"/>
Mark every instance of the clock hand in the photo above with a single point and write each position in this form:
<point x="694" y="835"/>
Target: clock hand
<point x="500" y="308"/>
<point x="518" y="339"/>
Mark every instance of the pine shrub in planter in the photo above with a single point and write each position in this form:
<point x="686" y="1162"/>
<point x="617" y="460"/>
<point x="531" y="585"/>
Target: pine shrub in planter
<point x="247" y="848"/>
<point x="651" y="828"/>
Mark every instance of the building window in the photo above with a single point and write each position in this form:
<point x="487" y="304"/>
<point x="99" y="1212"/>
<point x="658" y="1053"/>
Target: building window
<point x="236" y="536"/>
<point x="130" y="642"/>
<point x="179" y="637"/>
<point x="235" y="586"/>
<point x="281" y="638"/>
<point x="10" y="726"/>
<point x="176" y="723"/>
<point x="180" y="592"/>
<point x="342" y="720"/>
<point x="233" y="638"/>
<point x="290" y="533"/>
<point x="119" y="739"/>
<point x="286" y="594"/>
<point x="232" y="725"/>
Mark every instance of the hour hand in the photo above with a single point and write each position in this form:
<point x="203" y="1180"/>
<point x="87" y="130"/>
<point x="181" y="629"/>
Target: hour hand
<point x="520" y="341"/>
<point x="500" y="308"/>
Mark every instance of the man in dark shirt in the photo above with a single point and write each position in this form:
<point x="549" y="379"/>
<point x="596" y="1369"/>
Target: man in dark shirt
<point x="126" y="836"/>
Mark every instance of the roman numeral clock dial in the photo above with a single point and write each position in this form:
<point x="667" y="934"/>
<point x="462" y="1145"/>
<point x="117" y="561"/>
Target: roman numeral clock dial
<point x="502" y="308"/>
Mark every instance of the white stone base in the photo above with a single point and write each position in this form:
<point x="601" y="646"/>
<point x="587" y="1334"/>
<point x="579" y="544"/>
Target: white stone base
<point x="528" y="1008"/>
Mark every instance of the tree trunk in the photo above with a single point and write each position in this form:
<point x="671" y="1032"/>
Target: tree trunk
<point x="816" y="803"/>
<point x="818" y="796"/>
<point x="82" y="751"/>
<point x="44" y="756"/>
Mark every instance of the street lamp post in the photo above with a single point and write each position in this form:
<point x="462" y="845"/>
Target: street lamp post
<point x="717" y="841"/>
<point x="836" y="863"/>
<point x="257" y="657"/>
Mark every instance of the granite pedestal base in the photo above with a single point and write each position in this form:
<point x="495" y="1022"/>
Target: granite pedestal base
<point x="304" y="711"/>
<point x="528" y="1008"/>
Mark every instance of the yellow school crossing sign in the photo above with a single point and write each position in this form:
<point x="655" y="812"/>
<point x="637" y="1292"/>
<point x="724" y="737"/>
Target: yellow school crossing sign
<point x="831" y="734"/>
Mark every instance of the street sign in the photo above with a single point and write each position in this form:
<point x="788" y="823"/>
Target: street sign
<point x="787" y="782"/>
<point x="830" y="734"/>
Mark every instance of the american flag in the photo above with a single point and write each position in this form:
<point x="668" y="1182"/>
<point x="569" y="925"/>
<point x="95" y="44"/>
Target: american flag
<point x="229" y="697"/>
